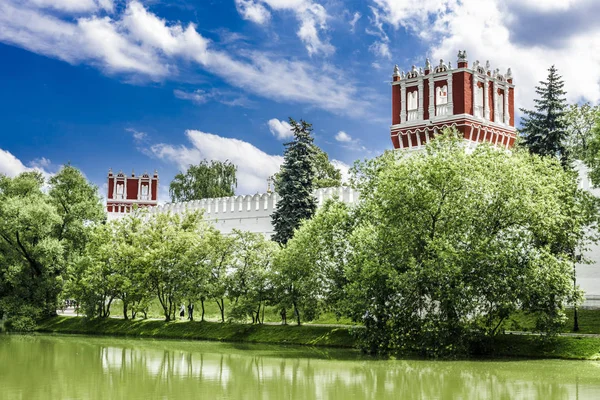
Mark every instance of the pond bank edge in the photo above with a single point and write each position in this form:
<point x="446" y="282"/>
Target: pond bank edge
<point x="505" y="346"/>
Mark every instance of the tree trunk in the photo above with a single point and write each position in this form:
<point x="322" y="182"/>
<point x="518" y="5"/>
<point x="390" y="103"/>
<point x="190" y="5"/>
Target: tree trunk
<point x="221" y="304"/>
<point x="202" y="302"/>
<point x="296" y="312"/>
<point x="125" y="310"/>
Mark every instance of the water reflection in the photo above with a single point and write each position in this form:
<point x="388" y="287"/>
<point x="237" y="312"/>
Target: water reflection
<point x="61" y="367"/>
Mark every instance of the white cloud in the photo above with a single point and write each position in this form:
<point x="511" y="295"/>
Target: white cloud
<point x="197" y="96"/>
<point x="254" y="165"/>
<point x="137" y="135"/>
<point x="354" y="20"/>
<point x="311" y="16"/>
<point x="343" y="137"/>
<point x="74" y="6"/>
<point x="344" y="170"/>
<point x="381" y="49"/>
<point x="40" y="163"/>
<point x="280" y="129"/>
<point x="252" y="10"/>
<point x="230" y="98"/>
<point x="11" y="166"/>
<point x="492" y="29"/>
<point x="139" y="43"/>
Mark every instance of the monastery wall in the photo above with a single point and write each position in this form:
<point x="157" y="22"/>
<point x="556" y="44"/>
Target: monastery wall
<point x="246" y="213"/>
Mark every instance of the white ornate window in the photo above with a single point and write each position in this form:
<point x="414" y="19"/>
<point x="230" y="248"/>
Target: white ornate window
<point x="145" y="194"/>
<point x="500" y="117"/>
<point x="412" y="100"/>
<point x="479" y="102"/>
<point x="441" y="100"/>
<point x="120" y="191"/>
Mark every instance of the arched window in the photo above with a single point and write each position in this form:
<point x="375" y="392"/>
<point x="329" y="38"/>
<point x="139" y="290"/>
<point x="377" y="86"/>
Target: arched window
<point x="412" y="99"/>
<point x="500" y="100"/>
<point x="479" y="102"/>
<point x="442" y="95"/>
<point x="120" y="191"/>
<point x="441" y="101"/>
<point x="145" y="195"/>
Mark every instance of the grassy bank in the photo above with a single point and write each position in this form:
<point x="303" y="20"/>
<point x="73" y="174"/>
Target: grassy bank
<point x="562" y="347"/>
<point x="276" y="334"/>
<point x="519" y="346"/>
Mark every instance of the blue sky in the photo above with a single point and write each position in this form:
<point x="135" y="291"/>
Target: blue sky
<point x="150" y="85"/>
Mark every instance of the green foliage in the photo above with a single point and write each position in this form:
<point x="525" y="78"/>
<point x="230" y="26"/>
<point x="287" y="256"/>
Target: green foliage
<point x="311" y="268"/>
<point x="296" y="183"/>
<point x="205" y="180"/>
<point x="326" y="175"/>
<point x="250" y="280"/>
<point x="580" y="123"/>
<point x="445" y="245"/>
<point x="41" y="233"/>
<point x="592" y="155"/>
<point x="545" y="128"/>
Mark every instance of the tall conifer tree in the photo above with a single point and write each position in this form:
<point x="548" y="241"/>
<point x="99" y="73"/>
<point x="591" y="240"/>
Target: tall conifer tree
<point x="296" y="183"/>
<point x="544" y="129"/>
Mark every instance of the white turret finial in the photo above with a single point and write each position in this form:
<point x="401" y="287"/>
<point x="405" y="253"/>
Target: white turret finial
<point x="402" y="75"/>
<point x="420" y="71"/>
<point x="449" y="65"/>
<point x="462" y="56"/>
<point x="487" y="65"/>
<point x="427" y="64"/>
<point x="508" y="73"/>
<point x="396" y="70"/>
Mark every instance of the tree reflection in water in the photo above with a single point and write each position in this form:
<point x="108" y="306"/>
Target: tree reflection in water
<point x="66" y="367"/>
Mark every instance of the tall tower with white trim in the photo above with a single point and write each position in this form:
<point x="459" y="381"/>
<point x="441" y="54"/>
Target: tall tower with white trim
<point x="126" y="191"/>
<point x="478" y="101"/>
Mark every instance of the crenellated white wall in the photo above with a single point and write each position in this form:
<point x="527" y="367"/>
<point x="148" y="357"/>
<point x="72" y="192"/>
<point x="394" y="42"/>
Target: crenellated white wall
<point x="247" y="213"/>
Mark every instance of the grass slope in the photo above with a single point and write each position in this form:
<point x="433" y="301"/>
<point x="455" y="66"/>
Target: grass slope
<point x="519" y="346"/>
<point x="562" y="347"/>
<point x="301" y="335"/>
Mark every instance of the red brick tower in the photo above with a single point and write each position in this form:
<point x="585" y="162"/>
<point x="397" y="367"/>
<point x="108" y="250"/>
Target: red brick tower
<point x="125" y="191"/>
<point x="478" y="102"/>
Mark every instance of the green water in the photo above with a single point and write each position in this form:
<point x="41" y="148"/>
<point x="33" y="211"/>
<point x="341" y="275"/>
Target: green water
<point x="80" y="367"/>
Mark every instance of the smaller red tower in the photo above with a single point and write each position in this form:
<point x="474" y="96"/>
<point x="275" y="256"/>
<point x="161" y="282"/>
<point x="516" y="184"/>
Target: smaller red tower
<point x="478" y="101"/>
<point x="125" y="191"/>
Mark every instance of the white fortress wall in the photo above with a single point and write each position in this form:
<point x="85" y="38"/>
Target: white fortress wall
<point x="247" y="212"/>
<point x="588" y="275"/>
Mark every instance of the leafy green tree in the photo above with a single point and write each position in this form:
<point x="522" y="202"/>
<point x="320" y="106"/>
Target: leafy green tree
<point x="41" y="232"/>
<point x="197" y="279"/>
<point x="168" y="241"/>
<point x="205" y="180"/>
<point x="250" y="280"/>
<point x="219" y="261"/>
<point x="326" y="175"/>
<point x="94" y="277"/>
<point x="296" y="184"/>
<point x="545" y="128"/>
<point x="311" y="268"/>
<point x="580" y="123"/>
<point x="445" y="246"/>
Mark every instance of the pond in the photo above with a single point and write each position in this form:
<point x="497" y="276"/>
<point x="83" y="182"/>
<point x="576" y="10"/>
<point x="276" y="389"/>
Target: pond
<point x="82" y="367"/>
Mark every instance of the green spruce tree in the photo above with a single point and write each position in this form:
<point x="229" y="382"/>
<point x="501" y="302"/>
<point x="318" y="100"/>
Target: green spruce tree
<point x="545" y="129"/>
<point x="296" y="183"/>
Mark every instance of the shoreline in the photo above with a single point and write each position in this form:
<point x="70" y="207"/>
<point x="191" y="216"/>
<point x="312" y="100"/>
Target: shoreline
<point x="507" y="346"/>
